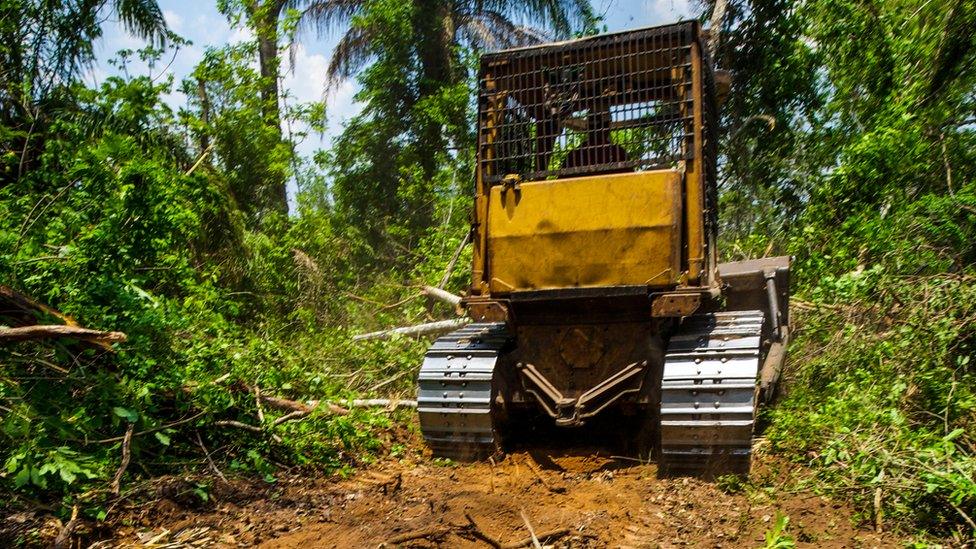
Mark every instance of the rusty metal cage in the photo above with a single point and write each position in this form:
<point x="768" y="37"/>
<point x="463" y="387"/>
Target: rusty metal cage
<point x="606" y="104"/>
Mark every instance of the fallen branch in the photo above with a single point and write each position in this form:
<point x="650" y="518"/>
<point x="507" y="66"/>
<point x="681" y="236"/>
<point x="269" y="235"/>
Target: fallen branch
<point x="286" y="405"/>
<point x="388" y="403"/>
<point x="246" y="427"/>
<point x="148" y="431"/>
<point x="477" y="532"/>
<point x="290" y="416"/>
<point x="210" y="461"/>
<point x="454" y="260"/>
<point x="55" y="331"/>
<point x="126" y="455"/>
<point x="550" y="535"/>
<point x="30" y="308"/>
<point x="64" y="536"/>
<point x="442" y="295"/>
<point x="528" y="526"/>
<point x="417" y="534"/>
<point x="388" y="381"/>
<point x="418" y="330"/>
<point x="257" y="403"/>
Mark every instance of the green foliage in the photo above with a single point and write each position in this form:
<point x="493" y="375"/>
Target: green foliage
<point x="777" y="537"/>
<point x="881" y="219"/>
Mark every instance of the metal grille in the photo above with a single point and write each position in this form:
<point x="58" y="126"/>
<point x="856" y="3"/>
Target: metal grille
<point x="612" y="103"/>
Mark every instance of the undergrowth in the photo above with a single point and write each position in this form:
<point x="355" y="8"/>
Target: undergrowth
<point x="881" y="400"/>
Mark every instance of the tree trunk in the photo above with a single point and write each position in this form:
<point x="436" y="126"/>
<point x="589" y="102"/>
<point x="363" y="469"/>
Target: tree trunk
<point x="264" y="17"/>
<point x="434" y="26"/>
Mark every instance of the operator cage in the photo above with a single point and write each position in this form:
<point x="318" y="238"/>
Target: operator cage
<point x="613" y="103"/>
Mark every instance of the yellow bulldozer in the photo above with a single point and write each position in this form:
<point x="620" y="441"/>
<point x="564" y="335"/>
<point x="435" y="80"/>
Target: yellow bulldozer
<point x="596" y="287"/>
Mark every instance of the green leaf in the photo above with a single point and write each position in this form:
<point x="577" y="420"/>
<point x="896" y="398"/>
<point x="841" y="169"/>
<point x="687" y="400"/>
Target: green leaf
<point x="129" y="415"/>
<point x="23" y="477"/>
<point x="162" y="438"/>
<point x="956" y="433"/>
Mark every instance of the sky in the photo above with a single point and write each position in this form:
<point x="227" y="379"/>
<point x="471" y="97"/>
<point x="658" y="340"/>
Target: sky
<point x="199" y="22"/>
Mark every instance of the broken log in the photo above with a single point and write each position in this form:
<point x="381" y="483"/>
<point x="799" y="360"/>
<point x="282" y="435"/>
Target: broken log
<point x="55" y="331"/>
<point x="418" y="330"/>
<point x="443" y="295"/>
<point x="29" y="309"/>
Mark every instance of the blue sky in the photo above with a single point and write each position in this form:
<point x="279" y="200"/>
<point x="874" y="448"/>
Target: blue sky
<point x="201" y="23"/>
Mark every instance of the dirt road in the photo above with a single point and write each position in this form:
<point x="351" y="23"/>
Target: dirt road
<point x="577" y="497"/>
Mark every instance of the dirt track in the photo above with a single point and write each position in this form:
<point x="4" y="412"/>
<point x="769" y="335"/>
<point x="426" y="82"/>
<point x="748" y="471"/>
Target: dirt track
<point x="602" y="501"/>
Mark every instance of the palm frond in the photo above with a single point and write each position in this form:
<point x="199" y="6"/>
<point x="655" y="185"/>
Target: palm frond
<point x="563" y="17"/>
<point x="491" y="30"/>
<point x="142" y="18"/>
<point x="325" y="16"/>
<point x="351" y="54"/>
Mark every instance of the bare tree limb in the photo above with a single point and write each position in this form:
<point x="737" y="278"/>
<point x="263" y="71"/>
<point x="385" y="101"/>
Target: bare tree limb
<point x="64" y="536"/>
<point x="126" y="455"/>
<point x="54" y="331"/>
<point x="442" y="295"/>
<point x="454" y="260"/>
<point x="148" y="431"/>
<point x="418" y="330"/>
<point x="528" y="526"/>
<point x="210" y="461"/>
<point x="246" y="427"/>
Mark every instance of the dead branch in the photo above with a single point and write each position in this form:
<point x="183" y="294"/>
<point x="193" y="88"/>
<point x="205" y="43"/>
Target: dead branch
<point x="30" y="308"/>
<point x="388" y="403"/>
<point x="418" y="330"/>
<point x="246" y="427"/>
<point x="454" y="260"/>
<point x="442" y="295"/>
<point x="64" y="536"/>
<point x="126" y="454"/>
<point x="149" y="431"/>
<point x="480" y="534"/>
<point x="210" y="461"/>
<point x="417" y="534"/>
<point x="550" y="535"/>
<point x="290" y="416"/>
<point x="257" y="403"/>
<point x="199" y="161"/>
<point x="389" y="380"/>
<point x="286" y="405"/>
<point x="55" y="331"/>
<point x="528" y="526"/>
<point x="715" y="28"/>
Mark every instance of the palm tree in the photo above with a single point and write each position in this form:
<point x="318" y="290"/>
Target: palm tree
<point x="46" y="45"/>
<point x="439" y="26"/>
<point x="442" y="24"/>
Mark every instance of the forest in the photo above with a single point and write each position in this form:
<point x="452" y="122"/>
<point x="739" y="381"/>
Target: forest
<point x="848" y="141"/>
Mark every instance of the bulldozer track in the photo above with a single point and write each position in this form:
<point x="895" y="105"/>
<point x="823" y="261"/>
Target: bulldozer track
<point x="708" y="393"/>
<point x="455" y="391"/>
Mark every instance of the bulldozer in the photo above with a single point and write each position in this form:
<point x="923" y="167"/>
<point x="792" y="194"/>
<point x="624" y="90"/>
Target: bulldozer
<point x="595" y="282"/>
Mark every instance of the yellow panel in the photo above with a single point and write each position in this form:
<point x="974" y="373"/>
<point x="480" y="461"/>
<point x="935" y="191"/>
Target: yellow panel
<point x="609" y="230"/>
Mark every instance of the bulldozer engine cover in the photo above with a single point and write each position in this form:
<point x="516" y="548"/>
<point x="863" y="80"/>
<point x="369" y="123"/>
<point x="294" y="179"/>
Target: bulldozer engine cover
<point x="586" y="232"/>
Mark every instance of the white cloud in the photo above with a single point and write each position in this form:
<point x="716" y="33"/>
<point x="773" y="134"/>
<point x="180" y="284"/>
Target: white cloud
<point x="306" y="79"/>
<point x="173" y="21"/>
<point x="668" y="11"/>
